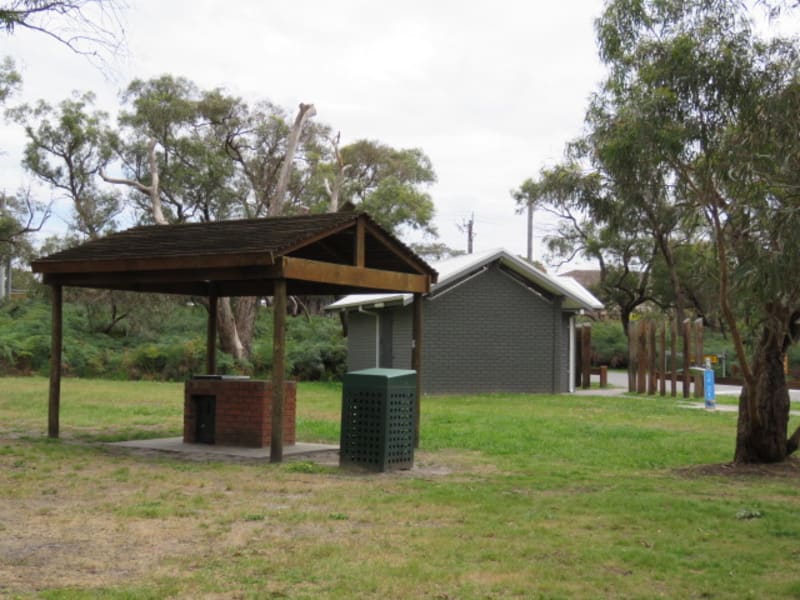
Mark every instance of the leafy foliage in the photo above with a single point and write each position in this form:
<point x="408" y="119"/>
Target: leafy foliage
<point x="167" y="347"/>
<point x="609" y="344"/>
<point x="68" y="147"/>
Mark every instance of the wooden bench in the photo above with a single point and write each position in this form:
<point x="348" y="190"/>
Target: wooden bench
<point x="602" y="371"/>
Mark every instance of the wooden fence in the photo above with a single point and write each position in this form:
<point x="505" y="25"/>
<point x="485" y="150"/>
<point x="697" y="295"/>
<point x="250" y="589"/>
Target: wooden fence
<point x="661" y="351"/>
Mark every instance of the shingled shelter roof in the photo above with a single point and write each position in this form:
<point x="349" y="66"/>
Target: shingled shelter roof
<point x="315" y="253"/>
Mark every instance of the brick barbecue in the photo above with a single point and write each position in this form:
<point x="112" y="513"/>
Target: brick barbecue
<point x="235" y="412"/>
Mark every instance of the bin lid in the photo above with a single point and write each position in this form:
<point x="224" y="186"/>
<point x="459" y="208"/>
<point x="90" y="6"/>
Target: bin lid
<point x="381" y="372"/>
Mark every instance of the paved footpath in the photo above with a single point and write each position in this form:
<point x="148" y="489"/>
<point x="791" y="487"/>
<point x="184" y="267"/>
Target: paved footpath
<point x="618" y="386"/>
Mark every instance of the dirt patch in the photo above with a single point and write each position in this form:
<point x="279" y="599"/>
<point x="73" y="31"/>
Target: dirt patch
<point x="788" y="469"/>
<point x="118" y="516"/>
<point x="51" y="546"/>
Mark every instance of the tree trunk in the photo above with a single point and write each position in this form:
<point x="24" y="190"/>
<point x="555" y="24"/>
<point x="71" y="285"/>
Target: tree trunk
<point x="245" y="315"/>
<point x="305" y="112"/>
<point x="229" y="340"/>
<point x="153" y="190"/>
<point x="334" y="190"/>
<point x="669" y="259"/>
<point x="625" y="319"/>
<point x="155" y="184"/>
<point x="764" y="405"/>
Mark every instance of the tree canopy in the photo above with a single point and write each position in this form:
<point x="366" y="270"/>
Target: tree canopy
<point x="691" y="147"/>
<point x="179" y="153"/>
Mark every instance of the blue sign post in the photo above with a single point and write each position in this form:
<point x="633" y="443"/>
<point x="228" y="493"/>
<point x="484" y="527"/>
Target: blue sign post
<point x="708" y="386"/>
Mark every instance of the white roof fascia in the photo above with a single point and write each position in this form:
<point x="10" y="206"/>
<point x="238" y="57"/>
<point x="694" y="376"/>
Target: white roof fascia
<point x="580" y="291"/>
<point x="356" y="300"/>
<point x="454" y="269"/>
<point x="576" y="296"/>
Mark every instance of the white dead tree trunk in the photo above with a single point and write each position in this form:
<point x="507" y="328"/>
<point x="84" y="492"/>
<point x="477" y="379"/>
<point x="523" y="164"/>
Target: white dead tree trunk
<point x="153" y="190"/>
<point x="236" y="323"/>
<point x="305" y="112"/>
<point x="334" y="189"/>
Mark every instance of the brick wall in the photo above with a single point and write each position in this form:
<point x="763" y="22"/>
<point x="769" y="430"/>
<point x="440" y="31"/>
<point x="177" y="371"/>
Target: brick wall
<point x="489" y="334"/>
<point x="243" y="411"/>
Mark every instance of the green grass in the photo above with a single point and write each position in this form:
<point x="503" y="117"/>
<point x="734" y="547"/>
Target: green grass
<point x="514" y="496"/>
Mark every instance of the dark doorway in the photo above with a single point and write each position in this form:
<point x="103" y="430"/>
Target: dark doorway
<point x="205" y="408"/>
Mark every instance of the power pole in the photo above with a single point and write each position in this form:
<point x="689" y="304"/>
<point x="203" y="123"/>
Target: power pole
<point x="469" y="228"/>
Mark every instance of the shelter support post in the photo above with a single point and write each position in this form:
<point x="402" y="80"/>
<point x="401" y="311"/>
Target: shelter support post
<point x="211" y="340"/>
<point x="416" y="360"/>
<point x="278" y="369"/>
<point x="55" y="362"/>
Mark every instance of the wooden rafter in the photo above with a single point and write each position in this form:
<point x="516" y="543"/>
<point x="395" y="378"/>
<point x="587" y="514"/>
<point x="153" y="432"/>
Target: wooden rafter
<point x="331" y="273"/>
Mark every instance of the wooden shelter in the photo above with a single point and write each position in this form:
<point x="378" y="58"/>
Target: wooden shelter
<point x="329" y="254"/>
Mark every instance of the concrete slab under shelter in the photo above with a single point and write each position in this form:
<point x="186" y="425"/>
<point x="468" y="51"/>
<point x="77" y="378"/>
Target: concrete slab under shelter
<point x="177" y="445"/>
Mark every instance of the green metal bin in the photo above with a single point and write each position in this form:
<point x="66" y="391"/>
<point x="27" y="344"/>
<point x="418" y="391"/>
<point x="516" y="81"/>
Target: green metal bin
<point x="378" y="407"/>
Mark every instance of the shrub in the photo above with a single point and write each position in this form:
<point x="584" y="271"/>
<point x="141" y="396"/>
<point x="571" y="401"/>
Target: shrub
<point x="609" y="344"/>
<point x="169" y="349"/>
<point x="315" y="348"/>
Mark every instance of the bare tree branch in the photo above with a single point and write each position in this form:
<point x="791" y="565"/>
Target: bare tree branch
<point x="91" y="28"/>
<point x="305" y="112"/>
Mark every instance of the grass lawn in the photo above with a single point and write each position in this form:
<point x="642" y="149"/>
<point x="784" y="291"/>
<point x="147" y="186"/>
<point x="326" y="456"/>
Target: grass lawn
<point x="514" y="496"/>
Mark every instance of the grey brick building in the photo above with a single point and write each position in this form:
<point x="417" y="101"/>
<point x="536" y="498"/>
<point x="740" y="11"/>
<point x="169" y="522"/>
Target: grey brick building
<point x="493" y="323"/>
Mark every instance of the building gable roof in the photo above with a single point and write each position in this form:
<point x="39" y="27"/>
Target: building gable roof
<point x="453" y="270"/>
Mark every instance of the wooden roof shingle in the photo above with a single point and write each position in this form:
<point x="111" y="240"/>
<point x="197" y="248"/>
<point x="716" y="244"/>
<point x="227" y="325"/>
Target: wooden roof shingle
<point x="198" y="253"/>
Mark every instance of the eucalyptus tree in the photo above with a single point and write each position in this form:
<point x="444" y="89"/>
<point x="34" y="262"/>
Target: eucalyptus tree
<point x="20" y="216"/>
<point x="173" y="159"/>
<point x="594" y="225"/>
<point x="272" y="161"/>
<point x="390" y="184"/>
<point x="695" y="96"/>
<point x="68" y="146"/>
<point x="157" y="140"/>
<point x="262" y="143"/>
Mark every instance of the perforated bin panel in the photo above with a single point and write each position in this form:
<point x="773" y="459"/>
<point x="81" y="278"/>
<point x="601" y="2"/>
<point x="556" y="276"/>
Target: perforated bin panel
<point x="378" y="419"/>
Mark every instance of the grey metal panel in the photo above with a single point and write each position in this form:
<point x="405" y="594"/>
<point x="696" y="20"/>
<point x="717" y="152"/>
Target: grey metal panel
<point x="402" y="337"/>
<point x="386" y="345"/>
<point x="360" y="341"/>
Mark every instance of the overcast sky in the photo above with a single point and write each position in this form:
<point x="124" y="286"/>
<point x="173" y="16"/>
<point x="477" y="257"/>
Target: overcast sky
<point x="490" y="90"/>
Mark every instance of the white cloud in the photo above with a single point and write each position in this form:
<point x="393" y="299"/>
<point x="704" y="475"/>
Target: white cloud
<point x="490" y="90"/>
